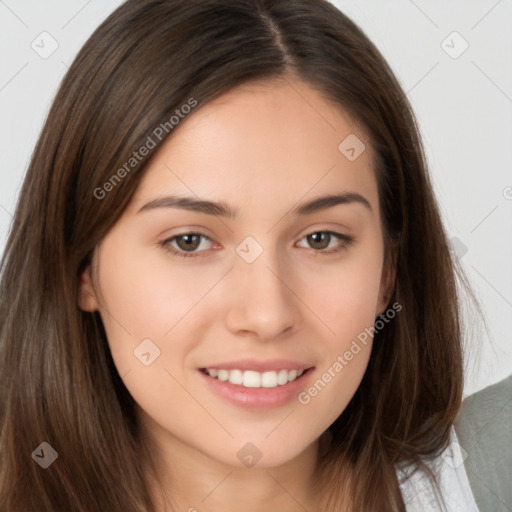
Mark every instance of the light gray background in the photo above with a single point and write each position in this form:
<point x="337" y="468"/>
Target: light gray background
<point x="463" y="104"/>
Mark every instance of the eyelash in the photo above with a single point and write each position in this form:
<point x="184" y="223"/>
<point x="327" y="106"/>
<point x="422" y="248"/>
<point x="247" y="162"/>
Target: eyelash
<point x="165" y="244"/>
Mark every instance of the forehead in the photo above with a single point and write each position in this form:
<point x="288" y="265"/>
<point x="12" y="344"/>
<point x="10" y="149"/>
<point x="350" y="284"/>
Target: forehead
<point x="264" y="140"/>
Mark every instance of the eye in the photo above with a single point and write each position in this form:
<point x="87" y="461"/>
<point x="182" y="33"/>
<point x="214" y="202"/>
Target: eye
<point x="187" y="244"/>
<point x="327" y="242"/>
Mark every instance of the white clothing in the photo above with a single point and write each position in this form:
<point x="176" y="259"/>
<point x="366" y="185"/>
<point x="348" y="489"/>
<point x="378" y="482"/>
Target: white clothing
<point x="419" y="494"/>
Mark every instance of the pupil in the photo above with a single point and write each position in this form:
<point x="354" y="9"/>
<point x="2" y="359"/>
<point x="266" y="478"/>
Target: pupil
<point x="188" y="242"/>
<point x="319" y="240"/>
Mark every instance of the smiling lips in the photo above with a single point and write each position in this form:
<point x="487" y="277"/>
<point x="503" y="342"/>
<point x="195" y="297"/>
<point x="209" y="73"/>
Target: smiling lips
<point x="255" y="379"/>
<point x="255" y="383"/>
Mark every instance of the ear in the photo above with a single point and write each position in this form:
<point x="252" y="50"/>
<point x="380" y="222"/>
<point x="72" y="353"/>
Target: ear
<point x="87" y="299"/>
<point x="387" y="282"/>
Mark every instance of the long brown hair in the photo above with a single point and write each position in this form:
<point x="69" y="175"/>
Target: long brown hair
<point x="58" y="381"/>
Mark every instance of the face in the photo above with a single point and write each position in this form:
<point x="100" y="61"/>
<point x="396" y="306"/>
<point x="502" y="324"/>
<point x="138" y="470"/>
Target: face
<point x="235" y="284"/>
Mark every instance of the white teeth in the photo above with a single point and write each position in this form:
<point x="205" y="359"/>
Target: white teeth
<point x="253" y="379"/>
<point x="236" y="377"/>
<point x="282" y="377"/>
<point x="269" y="379"/>
<point x="223" y="375"/>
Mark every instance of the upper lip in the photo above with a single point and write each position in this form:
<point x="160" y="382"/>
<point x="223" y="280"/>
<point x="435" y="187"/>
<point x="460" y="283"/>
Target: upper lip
<point x="259" y="365"/>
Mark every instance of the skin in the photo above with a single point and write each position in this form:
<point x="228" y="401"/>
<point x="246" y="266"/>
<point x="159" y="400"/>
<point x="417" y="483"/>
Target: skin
<point x="262" y="149"/>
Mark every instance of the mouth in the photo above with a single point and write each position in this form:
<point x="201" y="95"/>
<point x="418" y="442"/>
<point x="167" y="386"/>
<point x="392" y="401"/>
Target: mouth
<point x="253" y="389"/>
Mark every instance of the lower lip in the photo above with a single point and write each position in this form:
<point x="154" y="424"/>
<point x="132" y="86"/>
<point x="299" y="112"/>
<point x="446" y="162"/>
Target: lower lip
<point x="258" y="398"/>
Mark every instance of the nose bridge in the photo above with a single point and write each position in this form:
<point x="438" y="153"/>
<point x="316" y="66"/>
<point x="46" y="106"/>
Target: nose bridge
<point x="263" y="303"/>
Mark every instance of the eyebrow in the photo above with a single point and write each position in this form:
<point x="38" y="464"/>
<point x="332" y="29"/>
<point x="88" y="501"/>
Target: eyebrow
<point x="224" y="210"/>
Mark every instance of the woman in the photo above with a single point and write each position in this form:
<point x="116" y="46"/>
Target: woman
<point x="227" y="284"/>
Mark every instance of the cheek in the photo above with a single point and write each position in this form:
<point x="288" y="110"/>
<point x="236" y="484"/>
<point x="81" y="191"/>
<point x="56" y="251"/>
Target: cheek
<point x="346" y="300"/>
<point x="346" y="295"/>
<point x="144" y="294"/>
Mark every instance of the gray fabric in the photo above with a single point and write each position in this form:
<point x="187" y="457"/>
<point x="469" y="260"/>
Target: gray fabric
<point x="484" y="429"/>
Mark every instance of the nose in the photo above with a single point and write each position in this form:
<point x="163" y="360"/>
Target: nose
<point x="263" y="303"/>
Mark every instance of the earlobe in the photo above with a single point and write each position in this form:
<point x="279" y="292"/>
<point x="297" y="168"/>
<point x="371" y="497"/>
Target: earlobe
<point x="87" y="300"/>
